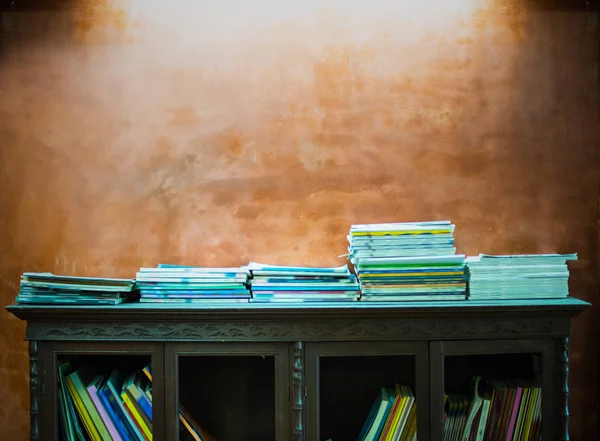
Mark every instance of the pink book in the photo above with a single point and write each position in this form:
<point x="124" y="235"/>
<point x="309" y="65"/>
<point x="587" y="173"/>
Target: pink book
<point x="513" y="415"/>
<point x="93" y="393"/>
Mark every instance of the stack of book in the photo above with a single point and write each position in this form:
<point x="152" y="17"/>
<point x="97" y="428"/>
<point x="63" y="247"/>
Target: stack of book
<point x="413" y="261"/>
<point x="527" y="276"/>
<point x="105" y="406"/>
<point x="502" y="409"/>
<point x="174" y="283"/>
<point x="393" y="416"/>
<point x="273" y="283"/>
<point x="50" y="289"/>
<point x="401" y="240"/>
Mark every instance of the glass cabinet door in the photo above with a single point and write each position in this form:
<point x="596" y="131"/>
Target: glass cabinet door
<point x="492" y="390"/>
<point x="367" y="391"/>
<point x="228" y="392"/>
<point x="107" y="392"/>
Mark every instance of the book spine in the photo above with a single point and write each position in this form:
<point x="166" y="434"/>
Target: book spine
<point x="89" y="405"/>
<point x="115" y="401"/>
<point x="112" y="430"/>
<point x="82" y="411"/>
<point x="104" y="397"/>
<point x="137" y="417"/>
<point x="141" y="399"/>
<point x="513" y="416"/>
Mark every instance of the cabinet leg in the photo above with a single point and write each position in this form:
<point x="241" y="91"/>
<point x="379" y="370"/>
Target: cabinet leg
<point x="34" y="390"/>
<point x="297" y="392"/>
<point x="563" y="401"/>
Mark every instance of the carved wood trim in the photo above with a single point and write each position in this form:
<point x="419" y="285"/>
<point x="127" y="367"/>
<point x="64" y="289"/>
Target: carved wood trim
<point x="34" y="390"/>
<point x="339" y="330"/>
<point x="297" y="392"/>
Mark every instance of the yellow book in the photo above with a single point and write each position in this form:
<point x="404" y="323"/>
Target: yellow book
<point x="423" y="274"/>
<point x="197" y="431"/>
<point x="187" y="426"/>
<point x="411" y="429"/>
<point x="534" y="410"/>
<point x="521" y="415"/>
<point x="80" y="379"/>
<point x="82" y="411"/>
<point x="526" y="405"/>
<point x="403" y="421"/>
<point x="391" y="414"/>
<point x="148" y="372"/>
<point x="399" y="233"/>
<point x="394" y="424"/>
<point x="531" y="411"/>
<point x="537" y="416"/>
<point x="138" y="418"/>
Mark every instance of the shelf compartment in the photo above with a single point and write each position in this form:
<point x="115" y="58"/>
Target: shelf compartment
<point x="492" y="396"/>
<point x="491" y="389"/>
<point x="228" y="392"/>
<point x="351" y="383"/>
<point x="104" y="396"/>
<point x="230" y="397"/>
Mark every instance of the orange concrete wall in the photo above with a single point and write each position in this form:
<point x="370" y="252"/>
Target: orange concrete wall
<point x="178" y="132"/>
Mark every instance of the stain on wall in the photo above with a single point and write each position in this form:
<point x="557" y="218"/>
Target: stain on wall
<point x="196" y="133"/>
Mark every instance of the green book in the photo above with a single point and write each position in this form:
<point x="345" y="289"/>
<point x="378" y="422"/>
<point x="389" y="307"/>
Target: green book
<point x="82" y="378"/>
<point x="65" y="403"/>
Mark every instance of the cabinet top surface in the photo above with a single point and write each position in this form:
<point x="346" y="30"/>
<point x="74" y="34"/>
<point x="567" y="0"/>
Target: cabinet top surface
<point x="135" y="312"/>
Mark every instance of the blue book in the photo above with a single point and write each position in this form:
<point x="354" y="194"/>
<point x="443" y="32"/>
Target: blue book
<point x="388" y="408"/>
<point x="113" y="384"/>
<point x="133" y="385"/>
<point x="372" y="414"/>
<point x="111" y="413"/>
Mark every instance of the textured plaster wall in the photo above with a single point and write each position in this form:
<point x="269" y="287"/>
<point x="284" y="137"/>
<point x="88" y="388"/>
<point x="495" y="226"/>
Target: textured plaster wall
<point x="192" y="133"/>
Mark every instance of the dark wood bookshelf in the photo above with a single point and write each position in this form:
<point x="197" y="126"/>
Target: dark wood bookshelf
<point x="303" y="372"/>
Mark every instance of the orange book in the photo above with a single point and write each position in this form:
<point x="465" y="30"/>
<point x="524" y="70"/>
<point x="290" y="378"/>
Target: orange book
<point x="197" y="431"/>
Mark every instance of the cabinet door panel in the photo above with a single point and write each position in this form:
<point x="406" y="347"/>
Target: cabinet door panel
<point x="492" y="388"/>
<point x="89" y="367"/>
<point x="349" y="381"/>
<point x="233" y="391"/>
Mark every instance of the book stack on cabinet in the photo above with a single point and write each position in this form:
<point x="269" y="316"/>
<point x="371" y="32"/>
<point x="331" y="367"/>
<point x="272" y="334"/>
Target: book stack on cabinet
<point x="410" y="261"/>
<point x="276" y="283"/>
<point x="188" y="284"/>
<point x="50" y="289"/>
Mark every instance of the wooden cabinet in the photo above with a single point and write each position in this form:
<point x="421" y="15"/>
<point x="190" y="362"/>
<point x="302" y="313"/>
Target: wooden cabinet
<point x="308" y="372"/>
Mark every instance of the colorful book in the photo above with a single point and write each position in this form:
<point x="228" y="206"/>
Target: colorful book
<point x="93" y="393"/>
<point x="80" y="379"/>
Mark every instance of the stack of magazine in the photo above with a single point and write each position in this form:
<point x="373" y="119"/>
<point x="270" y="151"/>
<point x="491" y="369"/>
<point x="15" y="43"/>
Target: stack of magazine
<point x="273" y="283"/>
<point x="174" y="283"/>
<point x="406" y="261"/>
<point x="525" y="276"/>
<point x="401" y="240"/>
<point x="412" y="261"/>
<point x="104" y="405"/>
<point x="50" y="289"/>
